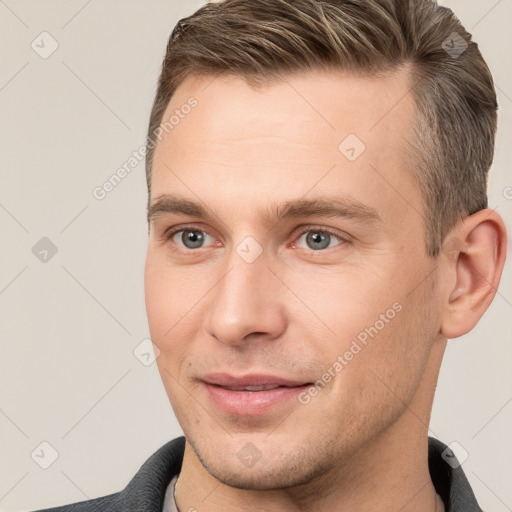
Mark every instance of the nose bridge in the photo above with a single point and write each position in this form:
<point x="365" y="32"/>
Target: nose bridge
<point x="246" y="299"/>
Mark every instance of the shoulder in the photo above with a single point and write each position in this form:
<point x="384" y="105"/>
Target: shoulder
<point x="449" y="478"/>
<point x="105" y="503"/>
<point x="145" y="491"/>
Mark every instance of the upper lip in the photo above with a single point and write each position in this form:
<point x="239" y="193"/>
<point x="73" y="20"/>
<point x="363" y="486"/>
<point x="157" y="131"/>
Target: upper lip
<point x="253" y="379"/>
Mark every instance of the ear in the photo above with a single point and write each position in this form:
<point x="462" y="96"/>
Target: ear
<point x="472" y="258"/>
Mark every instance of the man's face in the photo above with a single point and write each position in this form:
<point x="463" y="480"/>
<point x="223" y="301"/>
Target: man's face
<point x="342" y="299"/>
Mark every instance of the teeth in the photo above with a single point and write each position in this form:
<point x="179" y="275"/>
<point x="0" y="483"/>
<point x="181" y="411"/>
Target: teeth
<point x="260" y="388"/>
<point x="254" y="388"/>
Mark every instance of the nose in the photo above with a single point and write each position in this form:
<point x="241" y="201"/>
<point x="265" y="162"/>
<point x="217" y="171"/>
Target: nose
<point x="247" y="303"/>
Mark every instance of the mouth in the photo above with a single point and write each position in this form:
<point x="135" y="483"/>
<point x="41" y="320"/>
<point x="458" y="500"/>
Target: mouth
<point x="251" y="395"/>
<point x="263" y="387"/>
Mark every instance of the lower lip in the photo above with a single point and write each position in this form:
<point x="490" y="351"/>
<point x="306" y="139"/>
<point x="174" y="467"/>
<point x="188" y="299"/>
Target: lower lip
<point x="249" y="403"/>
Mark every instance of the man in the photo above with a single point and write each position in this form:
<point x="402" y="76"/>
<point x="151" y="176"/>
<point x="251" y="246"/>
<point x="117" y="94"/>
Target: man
<point x="318" y="229"/>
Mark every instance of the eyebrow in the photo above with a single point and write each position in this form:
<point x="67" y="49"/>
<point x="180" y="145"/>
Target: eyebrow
<point x="325" y="206"/>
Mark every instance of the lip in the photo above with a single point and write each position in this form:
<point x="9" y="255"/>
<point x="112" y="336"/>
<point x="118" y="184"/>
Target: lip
<point x="250" y="403"/>
<point x="252" y="379"/>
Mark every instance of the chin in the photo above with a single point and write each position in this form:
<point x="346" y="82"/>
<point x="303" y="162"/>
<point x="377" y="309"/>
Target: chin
<point x="272" y="471"/>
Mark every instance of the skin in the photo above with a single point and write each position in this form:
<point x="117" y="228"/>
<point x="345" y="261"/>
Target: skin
<point x="360" y="444"/>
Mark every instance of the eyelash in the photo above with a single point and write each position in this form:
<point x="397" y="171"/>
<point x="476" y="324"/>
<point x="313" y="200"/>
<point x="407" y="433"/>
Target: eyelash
<point x="168" y="235"/>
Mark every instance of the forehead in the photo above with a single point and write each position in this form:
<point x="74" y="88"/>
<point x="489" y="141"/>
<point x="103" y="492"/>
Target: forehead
<point x="328" y="99"/>
<point x="282" y="139"/>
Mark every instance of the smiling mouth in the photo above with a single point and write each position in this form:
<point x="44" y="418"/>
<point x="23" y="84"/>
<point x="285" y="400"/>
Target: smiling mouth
<point x="263" y="387"/>
<point x="254" y="399"/>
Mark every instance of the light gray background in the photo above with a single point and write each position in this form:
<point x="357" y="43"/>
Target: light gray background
<point x="68" y="375"/>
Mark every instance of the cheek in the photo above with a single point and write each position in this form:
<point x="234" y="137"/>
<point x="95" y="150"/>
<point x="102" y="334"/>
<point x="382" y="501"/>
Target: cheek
<point x="343" y="304"/>
<point x="374" y="332"/>
<point x="172" y="297"/>
<point x="380" y="379"/>
<point x="175" y="303"/>
<point x="391" y="363"/>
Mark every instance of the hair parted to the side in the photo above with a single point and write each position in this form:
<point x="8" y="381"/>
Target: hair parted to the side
<point x="452" y="146"/>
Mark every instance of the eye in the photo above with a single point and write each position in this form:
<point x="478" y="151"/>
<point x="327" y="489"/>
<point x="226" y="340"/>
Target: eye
<point x="318" y="239"/>
<point x="189" y="238"/>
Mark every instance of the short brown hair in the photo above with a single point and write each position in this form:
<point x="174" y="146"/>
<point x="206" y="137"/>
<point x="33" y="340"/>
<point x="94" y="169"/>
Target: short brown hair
<point x="453" y="144"/>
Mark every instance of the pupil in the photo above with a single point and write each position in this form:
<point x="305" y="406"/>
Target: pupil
<point x="192" y="239"/>
<point x="318" y="240"/>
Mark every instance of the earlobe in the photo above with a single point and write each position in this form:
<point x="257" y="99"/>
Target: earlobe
<point x="474" y="256"/>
